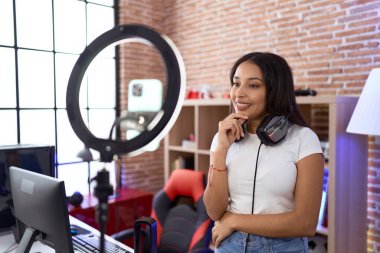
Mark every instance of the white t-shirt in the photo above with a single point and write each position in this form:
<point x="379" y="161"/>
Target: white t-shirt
<point x="276" y="171"/>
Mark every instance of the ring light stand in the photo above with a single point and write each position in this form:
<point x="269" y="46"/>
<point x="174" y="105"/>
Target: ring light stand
<point x="175" y="76"/>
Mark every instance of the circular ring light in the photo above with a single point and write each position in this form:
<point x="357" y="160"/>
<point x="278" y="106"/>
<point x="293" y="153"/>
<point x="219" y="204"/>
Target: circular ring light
<point x="176" y="83"/>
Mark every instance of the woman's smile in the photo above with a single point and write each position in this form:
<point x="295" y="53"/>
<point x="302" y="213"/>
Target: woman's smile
<point x="239" y="106"/>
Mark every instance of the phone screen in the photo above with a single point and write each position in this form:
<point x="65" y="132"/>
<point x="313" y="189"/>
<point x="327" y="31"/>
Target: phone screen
<point x="144" y="95"/>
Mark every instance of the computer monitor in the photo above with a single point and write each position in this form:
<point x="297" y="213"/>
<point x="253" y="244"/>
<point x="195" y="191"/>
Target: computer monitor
<point x="38" y="158"/>
<point x="40" y="204"/>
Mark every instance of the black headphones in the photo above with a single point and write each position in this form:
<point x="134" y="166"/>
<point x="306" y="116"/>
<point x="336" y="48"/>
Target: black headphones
<point x="273" y="128"/>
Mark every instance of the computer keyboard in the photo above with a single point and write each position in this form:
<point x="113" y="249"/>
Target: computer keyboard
<point x="91" y="243"/>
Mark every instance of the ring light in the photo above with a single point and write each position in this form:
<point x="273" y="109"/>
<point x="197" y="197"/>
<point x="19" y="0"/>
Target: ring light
<point x="176" y="83"/>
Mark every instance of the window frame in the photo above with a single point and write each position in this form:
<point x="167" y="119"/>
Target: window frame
<point x="59" y="163"/>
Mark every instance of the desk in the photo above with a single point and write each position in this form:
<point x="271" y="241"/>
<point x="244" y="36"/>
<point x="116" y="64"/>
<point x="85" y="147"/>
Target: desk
<point x="124" y="209"/>
<point x="7" y="240"/>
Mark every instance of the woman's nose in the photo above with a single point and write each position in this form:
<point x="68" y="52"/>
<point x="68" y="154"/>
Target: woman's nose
<point x="240" y="91"/>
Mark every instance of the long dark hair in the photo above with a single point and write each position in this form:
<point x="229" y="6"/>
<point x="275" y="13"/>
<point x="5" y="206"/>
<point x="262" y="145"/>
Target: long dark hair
<point x="278" y="78"/>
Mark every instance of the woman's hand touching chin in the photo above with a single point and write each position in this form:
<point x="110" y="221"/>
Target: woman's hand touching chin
<point x="231" y="129"/>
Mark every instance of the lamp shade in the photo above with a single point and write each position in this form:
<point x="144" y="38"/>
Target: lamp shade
<point x="366" y="116"/>
<point x="85" y="154"/>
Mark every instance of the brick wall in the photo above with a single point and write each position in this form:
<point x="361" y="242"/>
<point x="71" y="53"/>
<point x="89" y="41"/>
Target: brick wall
<point x="330" y="45"/>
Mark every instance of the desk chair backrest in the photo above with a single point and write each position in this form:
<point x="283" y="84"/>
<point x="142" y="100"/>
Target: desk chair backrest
<point x="182" y="227"/>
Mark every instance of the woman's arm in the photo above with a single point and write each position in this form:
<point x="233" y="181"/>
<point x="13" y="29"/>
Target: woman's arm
<point x="302" y="221"/>
<point x="216" y="193"/>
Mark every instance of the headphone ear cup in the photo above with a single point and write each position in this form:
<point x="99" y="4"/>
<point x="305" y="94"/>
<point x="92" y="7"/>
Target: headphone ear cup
<point x="260" y="131"/>
<point x="272" y="129"/>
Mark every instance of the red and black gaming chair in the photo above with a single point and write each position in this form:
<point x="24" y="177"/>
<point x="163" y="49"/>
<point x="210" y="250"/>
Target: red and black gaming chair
<point x="182" y="226"/>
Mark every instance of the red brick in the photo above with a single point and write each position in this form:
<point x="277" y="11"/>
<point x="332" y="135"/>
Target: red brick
<point x="356" y="31"/>
<point x="315" y="12"/>
<point x="363" y="38"/>
<point x="312" y="65"/>
<point x="372" y="21"/>
<point x="316" y="24"/>
<point x="348" y="62"/>
<point x="316" y="38"/>
<point x="325" y="43"/>
<point x="327" y="15"/>
<point x="329" y="29"/>
<point x="374" y="190"/>
<point x="351" y="47"/>
<point x="311" y="79"/>
<point x="365" y="69"/>
<point x="360" y="17"/>
<point x="350" y="92"/>
<point x="325" y="71"/>
<point x="364" y="8"/>
<point x="364" y="53"/>
<point x="330" y="85"/>
<point x="375" y="164"/>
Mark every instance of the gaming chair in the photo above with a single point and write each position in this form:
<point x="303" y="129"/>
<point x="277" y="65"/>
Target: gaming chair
<point x="182" y="221"/>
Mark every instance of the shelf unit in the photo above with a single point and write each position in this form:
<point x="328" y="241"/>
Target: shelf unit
<point x="198" y="117"/>
<point x="348" y="160"/>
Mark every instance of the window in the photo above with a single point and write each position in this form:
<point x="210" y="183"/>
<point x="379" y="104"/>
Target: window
<point x="40" y="42"/>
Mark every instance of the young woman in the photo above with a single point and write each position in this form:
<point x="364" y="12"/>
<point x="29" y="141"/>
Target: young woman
<point x="264" y="189"/>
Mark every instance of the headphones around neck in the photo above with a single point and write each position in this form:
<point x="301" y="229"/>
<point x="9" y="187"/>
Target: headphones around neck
<point x="273" y="128"/>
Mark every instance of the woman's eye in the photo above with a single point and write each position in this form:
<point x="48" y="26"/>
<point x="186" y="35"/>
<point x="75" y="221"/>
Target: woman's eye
<point x="235" y="84"/>
<point x="253" y="85"/>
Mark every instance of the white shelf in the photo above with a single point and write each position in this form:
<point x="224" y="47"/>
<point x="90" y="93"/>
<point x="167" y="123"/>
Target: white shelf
<point x="182" y="149"/>
<point x="207" y="102"/>
<point x="204" y="151"/>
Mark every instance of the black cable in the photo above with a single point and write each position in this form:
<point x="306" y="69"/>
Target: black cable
<point x="254" y="179"/>
<point x="102" y="222"/>
<point x="253" y="193"/>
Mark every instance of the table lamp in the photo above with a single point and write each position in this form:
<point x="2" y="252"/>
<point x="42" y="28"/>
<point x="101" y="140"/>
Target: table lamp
<point x="366" y="116"/>
<point x="86" y="155"/>
<point x="365" y="120"/>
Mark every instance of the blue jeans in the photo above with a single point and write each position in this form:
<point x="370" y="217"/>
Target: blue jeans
<point x="236" y="242"/>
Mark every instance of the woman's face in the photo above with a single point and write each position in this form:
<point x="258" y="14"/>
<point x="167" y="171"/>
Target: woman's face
<point x="248" y="92"/>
